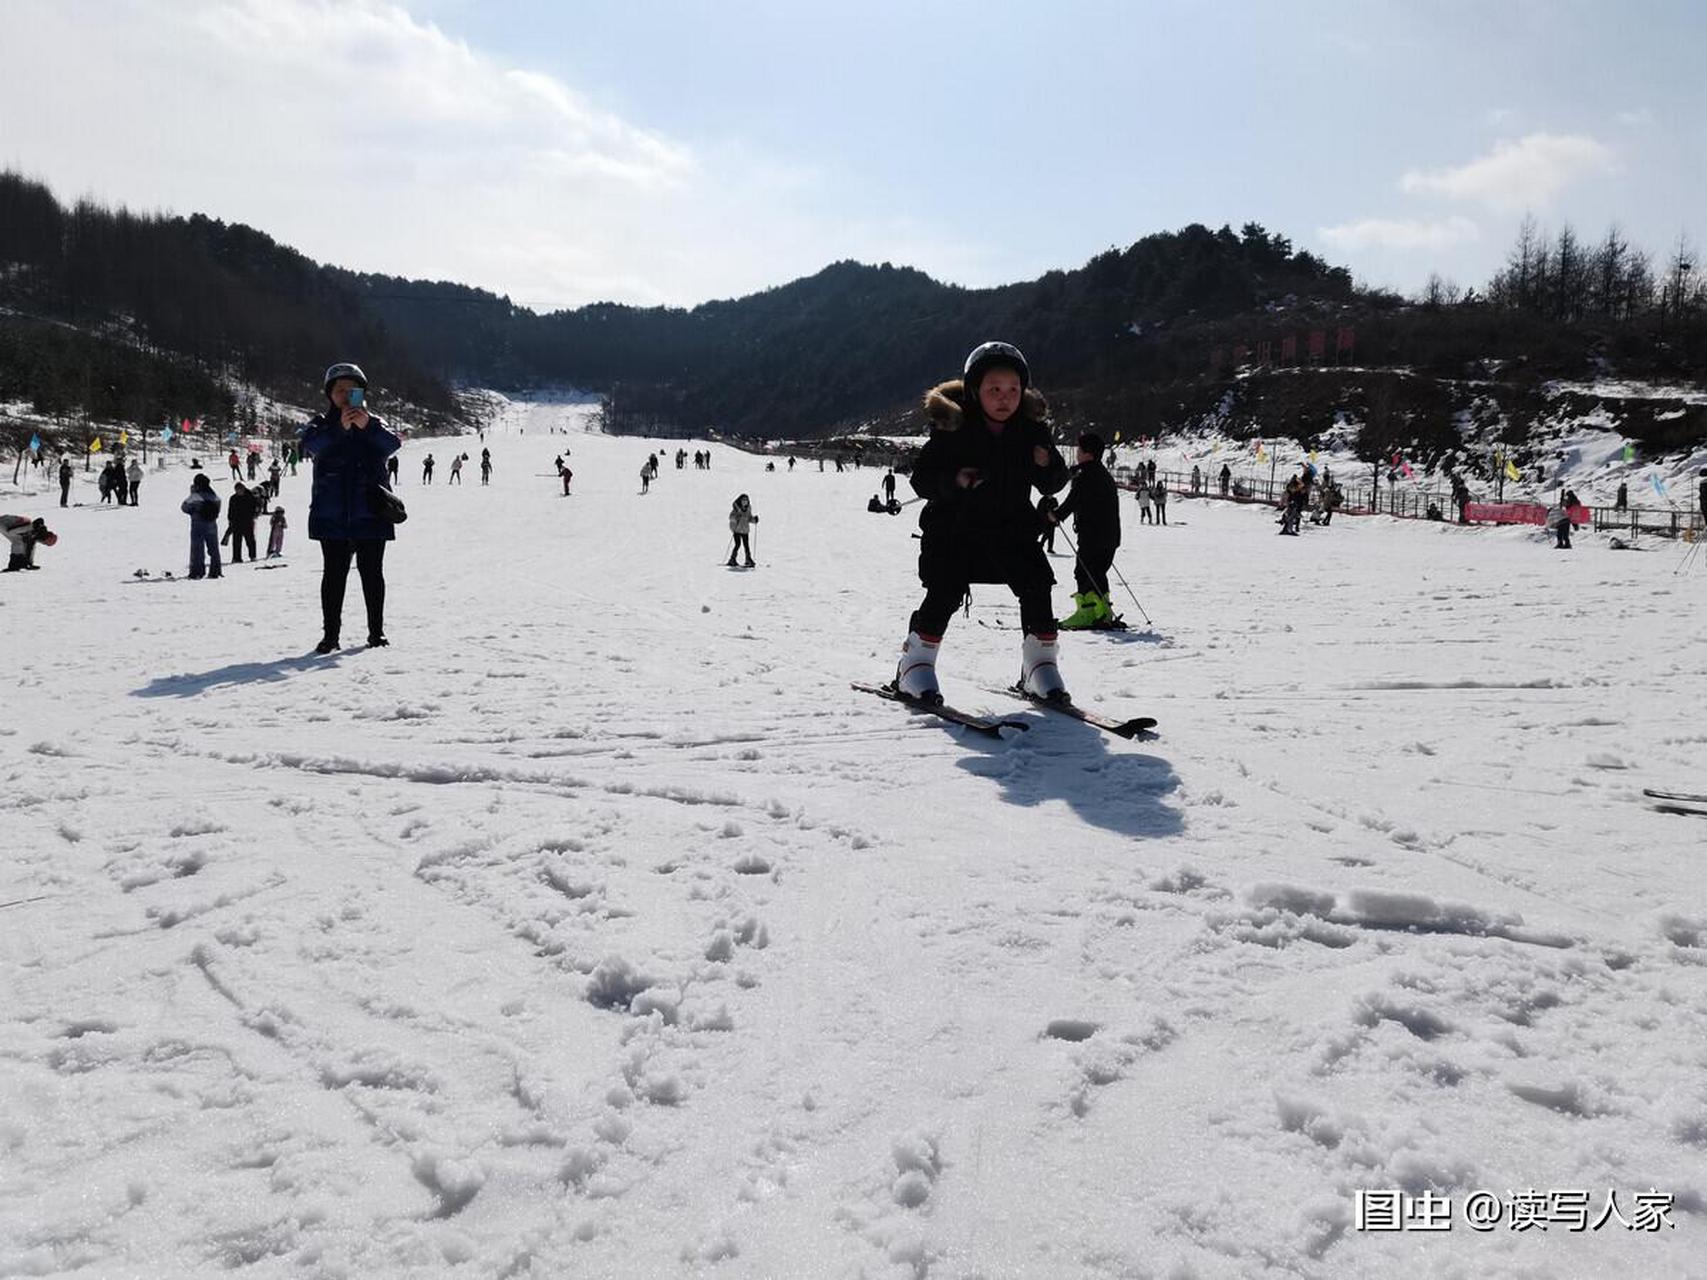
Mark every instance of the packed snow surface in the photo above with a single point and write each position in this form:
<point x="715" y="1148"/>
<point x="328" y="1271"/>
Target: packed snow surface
<point x="597" y="928"/>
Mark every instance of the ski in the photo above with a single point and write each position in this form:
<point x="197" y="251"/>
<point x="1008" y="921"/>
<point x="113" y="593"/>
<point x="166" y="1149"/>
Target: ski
<point x="1687" y="797"/>
<point x="1119" y="728"/>
<point x="980" y="724"/>
<point x="1117" y="624"/>
<point x="1682" y="810"/>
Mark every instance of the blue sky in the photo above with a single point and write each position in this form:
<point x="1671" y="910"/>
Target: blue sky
<point x="674" y="152"/>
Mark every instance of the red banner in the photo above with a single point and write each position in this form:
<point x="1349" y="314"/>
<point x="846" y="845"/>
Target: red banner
<point x="1318" y="343"/>
<point x="1517" y="513"/>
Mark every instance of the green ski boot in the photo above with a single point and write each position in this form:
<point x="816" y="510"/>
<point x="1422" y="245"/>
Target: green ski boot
<point x="1085" y="616"/>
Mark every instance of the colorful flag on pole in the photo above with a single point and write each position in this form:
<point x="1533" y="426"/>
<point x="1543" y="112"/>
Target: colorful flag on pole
<point x="166" y="433"/>
<point x="35" y="443"/>
<point x="1660" y="486"/>
<point x="96" y="446"/>
<point x="1629" y="453"/>
<point x="1511" y="471"/>
<point x="124" y="437"/>
<point x="1405" y="470"/>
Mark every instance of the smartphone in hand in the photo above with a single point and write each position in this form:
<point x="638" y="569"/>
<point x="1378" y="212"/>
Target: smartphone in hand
<point x="356" y="397"/>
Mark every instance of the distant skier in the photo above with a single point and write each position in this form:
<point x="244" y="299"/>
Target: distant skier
<point x="888" y="485"/>
<point x="426" y="469"/>
<point x="235" y="463"/>
<point x="456" y="468"/>
<point x="1093" y="502"/>
<point x="1159" y="495"/>
<point x="1701" y="497"/>
<point x="202" y="507"/>
<point x="133" y="480"/>
<point x="1144" y="493"/>
<point x="391" y="469"/>
<point x="485" y="466"/>
<point x="254" y="463"/>
<point x="988" y="449"/>
<point x="65" y="475"/>
<point x="1226" y="478"/>
<point x="741" y="522"/>
<point x="645" y="478"/>
<point x="22" y="534"/>
<point x="275" y="534"/>
<point x="1196" y="478"/>
<point x="1292" y="507"/>
<point x="1622" y="501"/>
<point x="240" y="522"/>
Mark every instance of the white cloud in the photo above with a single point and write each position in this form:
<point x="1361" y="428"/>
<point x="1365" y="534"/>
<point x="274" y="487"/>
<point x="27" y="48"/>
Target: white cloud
<point x="366" y="137"/>
<point x="1405" y="234"/>
<point x="1517" y="175"/>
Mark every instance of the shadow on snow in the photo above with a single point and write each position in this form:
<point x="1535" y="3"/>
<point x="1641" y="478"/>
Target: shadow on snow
<point x="1105" y="781"/>
<point x="189" y="684"/>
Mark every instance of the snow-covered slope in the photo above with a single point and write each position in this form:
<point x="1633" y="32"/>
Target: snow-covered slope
<point x="596" y="928"/>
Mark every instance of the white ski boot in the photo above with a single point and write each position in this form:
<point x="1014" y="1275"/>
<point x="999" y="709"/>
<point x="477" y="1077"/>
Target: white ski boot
<point x="915" y="674"/>
<point x="1039" y="676"/>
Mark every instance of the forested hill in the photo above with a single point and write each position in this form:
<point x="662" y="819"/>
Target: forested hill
<point x="147" y="318"/>
<point x="854" y="342"/>
<point x="144" y="318"/>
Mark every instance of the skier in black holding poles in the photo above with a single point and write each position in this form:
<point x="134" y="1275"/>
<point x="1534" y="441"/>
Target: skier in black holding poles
<point x="1094" y="503"/>
<point x="989" y="447"/>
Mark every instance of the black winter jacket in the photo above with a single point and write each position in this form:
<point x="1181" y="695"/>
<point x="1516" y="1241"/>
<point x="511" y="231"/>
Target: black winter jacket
<point x="987" y="533"/>
<point x="1094" y="504"/>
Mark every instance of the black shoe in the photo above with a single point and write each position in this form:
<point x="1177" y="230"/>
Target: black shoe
<point x="327" y="644"/>
<point x="750" y="565"/>
<point x="378" y="642"/>
<point x="733" y="565"/>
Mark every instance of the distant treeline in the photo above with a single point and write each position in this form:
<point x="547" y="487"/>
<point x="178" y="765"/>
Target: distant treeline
<point x="146" y="318"/>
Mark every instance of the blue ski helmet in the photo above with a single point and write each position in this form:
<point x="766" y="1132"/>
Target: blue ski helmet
<point x="990" y="355"/>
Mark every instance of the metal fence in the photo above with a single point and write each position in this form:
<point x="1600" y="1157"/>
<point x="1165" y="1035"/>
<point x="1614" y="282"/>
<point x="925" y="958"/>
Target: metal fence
<point x="1412" y="504"/>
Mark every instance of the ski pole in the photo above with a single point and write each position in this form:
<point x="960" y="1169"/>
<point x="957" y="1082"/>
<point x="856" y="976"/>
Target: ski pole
<point x="1114" y="569"/>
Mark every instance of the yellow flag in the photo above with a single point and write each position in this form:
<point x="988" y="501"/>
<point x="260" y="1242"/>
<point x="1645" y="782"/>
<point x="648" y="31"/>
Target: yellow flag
<point x="1512" y="471"/>
<point x="1312" y="455"/>
<point x="1117" y="437"/>
<point x="1260" y="454"/>
<point x="96" y="447"/>
<point x="124" y="437"/>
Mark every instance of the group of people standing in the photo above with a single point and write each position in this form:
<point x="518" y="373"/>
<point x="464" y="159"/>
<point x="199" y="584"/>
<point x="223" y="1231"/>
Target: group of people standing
<point x="116" y="481"/>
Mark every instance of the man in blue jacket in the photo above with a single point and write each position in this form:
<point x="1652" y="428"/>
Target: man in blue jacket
<point x="349" y="446"/>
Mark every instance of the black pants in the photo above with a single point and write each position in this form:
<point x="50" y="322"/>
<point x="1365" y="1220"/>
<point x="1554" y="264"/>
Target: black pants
<point x="242" y="535"/>
<point x="135" y="488"/>
<point x="369" y="555"/>
<point x="1090" y="570"/>
<point x="1036" y="615"/>
<point x="65" y="493"/>
<point x="741" y="545"/>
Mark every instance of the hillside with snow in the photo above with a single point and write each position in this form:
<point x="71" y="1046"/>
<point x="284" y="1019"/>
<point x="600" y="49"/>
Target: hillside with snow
<point x="598" y="928"/>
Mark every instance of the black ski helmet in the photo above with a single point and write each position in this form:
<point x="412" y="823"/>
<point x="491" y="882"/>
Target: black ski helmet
<point x="990" y="355"/>
<point x="344" y="369"/>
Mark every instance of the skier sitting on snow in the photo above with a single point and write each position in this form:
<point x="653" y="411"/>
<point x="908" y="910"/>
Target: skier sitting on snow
<point x="988" y="449"/>
<point x="741" y="522"/>
<point x="22" y="533"/>
<point x="1094" y="503"/>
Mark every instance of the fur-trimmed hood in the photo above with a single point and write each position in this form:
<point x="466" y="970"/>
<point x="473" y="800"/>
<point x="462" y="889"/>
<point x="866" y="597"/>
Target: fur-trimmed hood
<point x="945" y="405"/>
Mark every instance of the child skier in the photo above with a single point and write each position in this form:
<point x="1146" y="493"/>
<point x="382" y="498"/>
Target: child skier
<point x="988" y="449"/>
<point x="741" y="522"/>
<point x="275" y="534"/>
